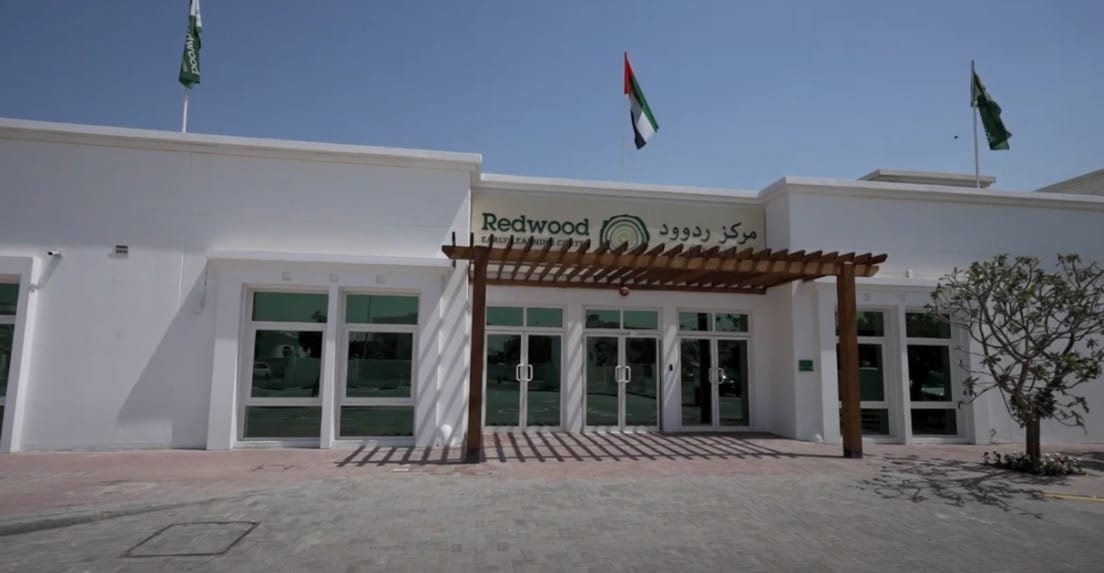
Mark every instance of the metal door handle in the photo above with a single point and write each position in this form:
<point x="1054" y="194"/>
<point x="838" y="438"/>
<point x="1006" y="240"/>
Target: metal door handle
<point x="617" y="373"/>
<point x="529" y="374"/>
<point x="628" y="374"/>
<point x="517" y="373"/>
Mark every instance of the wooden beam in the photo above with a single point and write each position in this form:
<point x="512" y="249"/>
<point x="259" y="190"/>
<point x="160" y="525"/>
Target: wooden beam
<point x="524" y="253"/>
<point x="566" y="266"/>
<point x="594" y="268"/>
<point x="609" y="271"/>
<point x="592" y="286"/>
<point x="623" y="273"/>
<point x="473" y="443"/>
<point x="543" y="258"/>
<point x="559" y="257"/>
<point x="849" y="361"/>
<point x="509" y="247"/>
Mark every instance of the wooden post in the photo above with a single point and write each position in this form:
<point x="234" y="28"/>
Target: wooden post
<point x="473" y="446"/>
<point x="849" y="361"/>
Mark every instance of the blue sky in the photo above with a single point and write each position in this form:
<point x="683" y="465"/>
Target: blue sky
<point x="744" y="92"/>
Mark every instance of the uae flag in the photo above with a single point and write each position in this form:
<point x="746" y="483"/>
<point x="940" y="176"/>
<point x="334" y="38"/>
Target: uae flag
<point x="643" y="122"/>
<point x="990" y="113"/>
<point x="189" y="63"/>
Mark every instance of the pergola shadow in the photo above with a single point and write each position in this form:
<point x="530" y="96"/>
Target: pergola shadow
<point x="564" y="447"/>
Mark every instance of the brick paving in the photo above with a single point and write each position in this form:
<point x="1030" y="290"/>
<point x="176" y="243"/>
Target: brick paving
<point x="559" y="503"/>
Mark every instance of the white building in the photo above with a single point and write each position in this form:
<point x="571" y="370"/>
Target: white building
<point x="195" y="291"/>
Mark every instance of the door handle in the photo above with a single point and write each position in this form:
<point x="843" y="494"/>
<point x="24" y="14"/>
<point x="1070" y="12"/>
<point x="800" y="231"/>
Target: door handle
<point x="628" y="374"/>
<point x="617" y="373"/>
<point x="529" y="373"/>
<point x="517" y="373"/>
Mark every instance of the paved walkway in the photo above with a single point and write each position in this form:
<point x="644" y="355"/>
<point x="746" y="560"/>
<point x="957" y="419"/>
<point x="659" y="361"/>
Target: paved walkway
<point x="553" y="503"/>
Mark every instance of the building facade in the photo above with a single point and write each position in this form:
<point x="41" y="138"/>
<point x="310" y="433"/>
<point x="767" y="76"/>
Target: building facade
<point x="190" y="291"/>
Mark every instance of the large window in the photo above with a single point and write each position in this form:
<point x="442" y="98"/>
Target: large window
<point x="874" y="408"/>
<point x="9" y="295"/>
<point x="285" y="359"/>
<point x="377" y="396"/>
<point x="930" y="387"/>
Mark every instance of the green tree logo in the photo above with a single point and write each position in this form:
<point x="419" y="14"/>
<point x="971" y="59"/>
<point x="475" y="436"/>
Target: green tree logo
<point x="624" y="228"/>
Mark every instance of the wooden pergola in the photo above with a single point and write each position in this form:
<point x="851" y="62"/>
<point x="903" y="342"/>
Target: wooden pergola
<point x="575" y="264"/>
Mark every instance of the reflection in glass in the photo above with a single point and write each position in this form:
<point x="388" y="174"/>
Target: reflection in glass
<point x="546" y="317"/>
<point x="6" y="334"/>
<point x="732" y="389"/>
<point x="924" y="325"/>
<point x="503" y="387"/>
<point x="641" y="399"/>
<point x="286" y="363"/>
<point x="929" y="369"/>
<point x="381" y="309"/>
<point x="641" y="320"/>
<point x="289" y="307"/>
<point x="694" y="321"/>
<point x="361" y="421"/>
<point x="9" y="296"/>
<point x="870" y="323"/>
<point x="543" y="391"/>
<point x="505" y="316"/>
<point x="875" y="421"/>
<point x="601" y="382"/>
<point x="934" y="422"/>
<point x="697" y="391"/>
<point x="282" y="422"/>
<point x="603" y="318"/>
<point x="725" y="322"/>
<point x="871" y="373"/>
<point x="380" y="364"/>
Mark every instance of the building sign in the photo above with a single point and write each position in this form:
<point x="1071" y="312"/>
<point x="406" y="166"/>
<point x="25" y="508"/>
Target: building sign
<point x="601" y="218"/>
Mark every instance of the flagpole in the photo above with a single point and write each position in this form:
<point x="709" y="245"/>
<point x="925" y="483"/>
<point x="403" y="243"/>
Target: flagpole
<point x="974" y="113"/>
<point x="623" y="139"/>
<point x="184" y="121"/>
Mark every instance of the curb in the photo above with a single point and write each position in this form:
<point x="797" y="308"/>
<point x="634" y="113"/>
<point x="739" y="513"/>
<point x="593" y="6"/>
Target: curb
<point x="20" y="524"/>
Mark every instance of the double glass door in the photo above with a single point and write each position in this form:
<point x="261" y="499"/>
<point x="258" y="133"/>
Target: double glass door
<point x="523" y="380"/>
<point x="714" y="382"/>
<point x="622" y="382"/>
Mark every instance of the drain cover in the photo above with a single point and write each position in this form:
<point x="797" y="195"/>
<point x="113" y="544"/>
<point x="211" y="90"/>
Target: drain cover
<point x="193" y="539"/>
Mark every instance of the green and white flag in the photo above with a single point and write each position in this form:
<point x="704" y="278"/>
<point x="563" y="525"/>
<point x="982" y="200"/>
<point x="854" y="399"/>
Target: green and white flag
<point x="189" y="64"/>
<point x="643" y="122"/>
<point x="990" y="114"/>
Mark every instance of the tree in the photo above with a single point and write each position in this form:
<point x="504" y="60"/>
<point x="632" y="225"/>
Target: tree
<point x="1036" y="333"/>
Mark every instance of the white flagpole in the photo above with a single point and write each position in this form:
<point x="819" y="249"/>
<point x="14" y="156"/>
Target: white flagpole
<point x="184" y="121"/>
<point x="974" y="113"/>
<point x="623" y="139"/>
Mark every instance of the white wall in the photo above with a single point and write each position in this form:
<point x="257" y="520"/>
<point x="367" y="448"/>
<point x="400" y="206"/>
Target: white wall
<point x="122" y="353"/>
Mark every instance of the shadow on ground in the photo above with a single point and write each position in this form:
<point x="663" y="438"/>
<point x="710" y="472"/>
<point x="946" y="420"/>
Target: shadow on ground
<point x="572" y="447"/>
<point x="957" y="483"/>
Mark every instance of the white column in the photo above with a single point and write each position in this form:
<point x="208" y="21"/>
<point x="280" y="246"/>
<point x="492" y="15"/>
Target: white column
<point x="670" y="377"/>
<point x="574" y="369"/>
<point x="827" y="366"/>
<point x="222" y="416"/>
<point x="19" y="369"/>
<point x="897" y="345"/>
<point x="327" y="391"/>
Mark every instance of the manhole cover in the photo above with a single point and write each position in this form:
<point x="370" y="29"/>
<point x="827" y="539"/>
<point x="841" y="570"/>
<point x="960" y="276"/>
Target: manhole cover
<point x="193" y="539"/>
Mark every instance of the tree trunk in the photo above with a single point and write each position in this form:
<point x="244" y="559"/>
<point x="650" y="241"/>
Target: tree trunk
<point x="1033" y="449"/>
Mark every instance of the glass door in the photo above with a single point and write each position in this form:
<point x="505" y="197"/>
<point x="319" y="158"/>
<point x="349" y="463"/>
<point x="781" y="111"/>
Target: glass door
<point x="603" y="381"/>
<point x="543" y="380"/>
<point x="714" y="382"/>
<point x="621" y="382"/>
<point x="696" y="358"/>
<point x="732" y="382"/>
<point x="504" y="375"/>
<point x="639" y="379"/>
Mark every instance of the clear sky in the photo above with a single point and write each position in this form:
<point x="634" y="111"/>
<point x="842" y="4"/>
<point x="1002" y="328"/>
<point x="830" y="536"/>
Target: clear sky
<point x="744" y="92"/>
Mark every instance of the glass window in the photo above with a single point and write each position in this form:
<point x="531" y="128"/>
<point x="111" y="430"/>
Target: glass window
<point x="875" y="421"/>
<point x="6" y="334"/>
<point x="929" y="369"/>
<point x="549" y="317"/>
<point x="724" y="322"/>
<point x="925" y="325"/>
<point x="376" y="421"/>
<point x="603" y="319"/>
<point x="380" y="365"/>
<point x="9" y="295"/>
<point x="381" y="309"/>
<point x="286" y="363"/>
<point x="940" y="422"/>
<point x="641" y="319"/>
<point x="697" y="321"/>
<point x="283" y="422"/>
<point x="870" y="323"/>
<point x="289" y="307"/>
<point x="505" y="316"/>
<point x="871" y="373"/>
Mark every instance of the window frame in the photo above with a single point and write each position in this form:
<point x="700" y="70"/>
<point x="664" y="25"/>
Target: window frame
<point x="886" y="403"/>
<point x="955" y="383"/>
<point x="524" y="332"/>
<point x="9" y="320"/>
<point x="247" y="350"/>
<point x="344" y="329"/>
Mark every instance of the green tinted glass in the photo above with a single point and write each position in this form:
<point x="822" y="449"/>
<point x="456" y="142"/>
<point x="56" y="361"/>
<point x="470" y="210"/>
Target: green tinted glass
<point x="9" y="295"/>
<point x="380" y="364"/>
<point x="724" y="322"/>
<point x="694" y="321"/>
<point x="641" y="319"/>
<point x="283" y="422"/>
<point x="603" y="319"/>
<point x="505" y="316"/>
<point x="377" y="421"/>
<point x="552" y="317"/>
<point x="924" y="325"/>
<point x="6" y="334"/>
<point x="289" y="307"/>
<point x="286" y="364"/>
<point x="381" y="309"/>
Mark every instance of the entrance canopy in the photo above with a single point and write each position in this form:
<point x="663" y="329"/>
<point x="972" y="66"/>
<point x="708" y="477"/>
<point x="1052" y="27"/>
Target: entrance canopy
<point x="566" y="264"/>
<point x="569" y="264"/>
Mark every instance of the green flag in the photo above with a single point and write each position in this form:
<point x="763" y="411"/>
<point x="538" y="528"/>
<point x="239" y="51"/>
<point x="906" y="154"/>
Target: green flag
<point x="189" y="64"/>
<point x="990" y="114"/>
